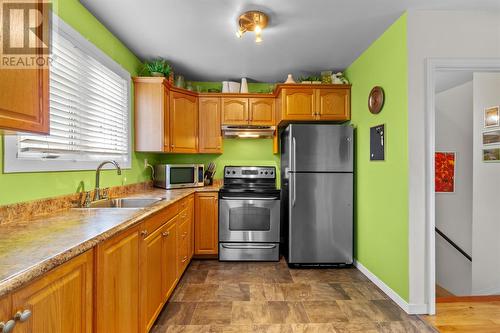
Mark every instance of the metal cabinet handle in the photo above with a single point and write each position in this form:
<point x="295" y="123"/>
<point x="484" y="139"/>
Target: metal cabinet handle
<point x="166" y="234"/>
<point x="22" y="316"/>
<point x="184" y="259"/>
<point x="144" y="233"/>
<point x="7" y="327"/>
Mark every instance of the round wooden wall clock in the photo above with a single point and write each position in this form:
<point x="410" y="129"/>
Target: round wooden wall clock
<point x="376" y="100"/>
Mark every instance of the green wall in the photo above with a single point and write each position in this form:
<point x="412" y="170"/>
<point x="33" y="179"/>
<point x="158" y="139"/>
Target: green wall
<point x="28" y="186"/>
<point x="236" y="152"/>
<point x="381" y="213"/>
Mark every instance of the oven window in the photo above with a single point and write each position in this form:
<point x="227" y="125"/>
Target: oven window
<point x="182" y="175"/>
<point x="249" y="218"/>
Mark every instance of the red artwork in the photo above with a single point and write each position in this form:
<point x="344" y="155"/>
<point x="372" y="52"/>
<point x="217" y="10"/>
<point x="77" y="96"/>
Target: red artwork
<point x="445" y="172"/>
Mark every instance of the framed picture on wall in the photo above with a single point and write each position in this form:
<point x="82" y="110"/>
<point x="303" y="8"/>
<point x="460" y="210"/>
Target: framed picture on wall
<point x="445" y="167"/>
<point x="491" y="155"/>
<point x="492" y="117"/>
<point x="491" y="137"/>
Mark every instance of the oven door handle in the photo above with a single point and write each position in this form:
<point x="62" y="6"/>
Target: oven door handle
<point x="249" y="198"/>
<point x="248" y="246"/>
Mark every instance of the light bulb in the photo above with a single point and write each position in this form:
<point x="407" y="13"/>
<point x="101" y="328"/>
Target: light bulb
<point x="239" y="33"/>
<point x="258" y="37"/>
<point x="258" y="29"/>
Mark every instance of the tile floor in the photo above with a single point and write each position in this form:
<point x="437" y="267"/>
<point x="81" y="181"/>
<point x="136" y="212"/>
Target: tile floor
<point x="269" y="297"/>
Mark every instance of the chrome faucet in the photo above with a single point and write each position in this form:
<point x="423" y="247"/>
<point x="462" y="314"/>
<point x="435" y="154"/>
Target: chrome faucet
<point x="97" y="190"/>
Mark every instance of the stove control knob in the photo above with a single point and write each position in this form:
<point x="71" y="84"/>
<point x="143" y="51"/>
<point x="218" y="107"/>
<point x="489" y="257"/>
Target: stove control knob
<point x="266" y="172"/>
<point x="234" y="172"/>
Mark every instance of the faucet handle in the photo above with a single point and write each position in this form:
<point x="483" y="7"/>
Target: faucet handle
<point x="105" y="193"/>
<point x="86" y="201"/>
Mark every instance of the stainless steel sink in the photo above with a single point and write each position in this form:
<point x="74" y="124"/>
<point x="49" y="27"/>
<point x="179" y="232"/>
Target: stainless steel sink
<point x="125" y="203"/>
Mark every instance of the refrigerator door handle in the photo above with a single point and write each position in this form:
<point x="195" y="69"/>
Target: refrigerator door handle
<point x="294" y="186"/>
<point x="294" y="154"/>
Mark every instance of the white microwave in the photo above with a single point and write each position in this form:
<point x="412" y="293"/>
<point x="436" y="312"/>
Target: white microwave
<point x="178" y="175"/>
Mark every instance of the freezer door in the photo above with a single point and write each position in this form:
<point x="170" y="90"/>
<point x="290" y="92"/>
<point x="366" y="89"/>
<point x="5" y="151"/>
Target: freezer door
<point x="321" y="148"/>
<point x="320" y="218"/>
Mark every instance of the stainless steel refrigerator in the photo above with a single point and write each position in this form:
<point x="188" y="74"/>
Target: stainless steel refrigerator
<point x="317" y="193"/>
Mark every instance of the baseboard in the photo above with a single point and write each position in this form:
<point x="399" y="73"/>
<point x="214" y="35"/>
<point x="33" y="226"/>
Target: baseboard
<point x="407" y="307"/>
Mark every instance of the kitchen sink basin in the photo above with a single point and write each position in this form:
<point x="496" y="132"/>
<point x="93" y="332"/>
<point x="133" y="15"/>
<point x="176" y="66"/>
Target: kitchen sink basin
<point x="125" y="203"/>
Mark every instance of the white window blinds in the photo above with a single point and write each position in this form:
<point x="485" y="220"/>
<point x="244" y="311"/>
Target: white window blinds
<point x="88" y="110"/>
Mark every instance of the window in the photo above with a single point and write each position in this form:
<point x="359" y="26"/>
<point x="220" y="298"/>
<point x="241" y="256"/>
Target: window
<point x="89" y="112"/>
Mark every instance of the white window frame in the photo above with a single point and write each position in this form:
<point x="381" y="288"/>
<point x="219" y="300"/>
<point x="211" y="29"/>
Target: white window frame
<point x="12" y="164"/>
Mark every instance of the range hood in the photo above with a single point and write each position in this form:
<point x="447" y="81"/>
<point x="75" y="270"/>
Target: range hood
<point x="248" y="131"/>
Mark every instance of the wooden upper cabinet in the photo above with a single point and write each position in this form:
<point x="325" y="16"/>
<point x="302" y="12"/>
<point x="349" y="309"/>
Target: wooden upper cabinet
<point x="152" y="129"/>
<point x="206" y="228"/>
<point x="234" y="111"/>
<point x="314" y="103"/>
<point x="60" y="301"/>
<point x="24" y="100"/>
<point x="261" y="111"/>
<point x="183" y="123"/>
<point x="24" y="92"/>
<point x="210" y="135"/>
<point x="333" y="104"/>
<point x="298" y="104"/>
<point x="117" y="284"/>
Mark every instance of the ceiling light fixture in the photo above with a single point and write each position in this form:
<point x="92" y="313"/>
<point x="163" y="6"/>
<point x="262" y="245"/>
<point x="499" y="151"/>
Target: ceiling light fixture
<point x="252" y="21"/>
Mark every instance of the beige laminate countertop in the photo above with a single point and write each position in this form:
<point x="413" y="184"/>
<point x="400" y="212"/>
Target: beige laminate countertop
<point x="30" y="248"/>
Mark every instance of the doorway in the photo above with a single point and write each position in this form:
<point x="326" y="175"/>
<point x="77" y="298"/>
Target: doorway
<point x="461" y="210"/>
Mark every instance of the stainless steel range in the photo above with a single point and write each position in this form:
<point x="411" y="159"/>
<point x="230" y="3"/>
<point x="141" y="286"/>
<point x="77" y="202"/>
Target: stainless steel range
<point x="249" y="214"/>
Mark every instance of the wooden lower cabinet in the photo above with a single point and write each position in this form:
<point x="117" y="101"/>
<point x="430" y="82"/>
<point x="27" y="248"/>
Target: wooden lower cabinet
<point x="60" y="301"/>
<point x="151" y="279"/>
<point x="206" y="227"/>
<point x="117" y="283"/>
<point x="169" y="266"/>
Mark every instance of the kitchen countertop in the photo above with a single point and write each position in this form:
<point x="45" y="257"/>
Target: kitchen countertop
<point x="30" y="248"/>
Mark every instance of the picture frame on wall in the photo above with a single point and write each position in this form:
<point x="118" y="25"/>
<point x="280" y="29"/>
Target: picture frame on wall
<point x="491" y="155"/>
<point x="445" y="171"/>
<point x="491" y="137"/>
<point x="492" y="117"/>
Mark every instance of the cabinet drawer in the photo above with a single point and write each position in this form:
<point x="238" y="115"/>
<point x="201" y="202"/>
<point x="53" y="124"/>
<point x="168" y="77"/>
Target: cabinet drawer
<point x="160" y="218"/>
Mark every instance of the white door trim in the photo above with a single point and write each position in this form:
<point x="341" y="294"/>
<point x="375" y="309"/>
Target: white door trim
<point x="434" y="65"/>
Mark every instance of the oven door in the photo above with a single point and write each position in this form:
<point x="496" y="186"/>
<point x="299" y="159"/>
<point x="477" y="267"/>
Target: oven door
<point x="249" y="219"/>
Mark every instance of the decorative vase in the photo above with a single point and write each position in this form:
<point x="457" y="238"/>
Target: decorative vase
<point x="225" y="86"/>
<point x="179" y="81"/>
<point x="157" y="74"/>
<point x="290" y="79"/>
<point x="244" y="86"/>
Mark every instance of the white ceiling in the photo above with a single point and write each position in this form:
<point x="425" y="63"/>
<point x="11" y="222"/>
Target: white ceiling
<point x="304" y="36"/>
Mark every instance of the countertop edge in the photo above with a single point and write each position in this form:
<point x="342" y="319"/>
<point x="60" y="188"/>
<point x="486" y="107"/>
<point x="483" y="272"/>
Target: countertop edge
<point x="33" y="272"/>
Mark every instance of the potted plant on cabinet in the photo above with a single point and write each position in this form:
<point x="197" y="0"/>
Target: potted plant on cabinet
<point x="157" y="67"/>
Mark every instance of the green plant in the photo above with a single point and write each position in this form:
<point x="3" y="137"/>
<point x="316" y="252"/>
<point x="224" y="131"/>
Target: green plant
<point x="309" y="78"/>
<point x="157" y="66"/>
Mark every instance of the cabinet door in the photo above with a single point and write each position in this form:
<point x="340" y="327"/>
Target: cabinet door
<point x="234" y="111"/>
<point x="151" y="115"/>
<point x="60" y="301"/>
<point x="151" y="261"/>
<point x="333" y="104"/>
<point x="182" y="245"/>
<point x="299" y="104"/>
<point x="210" y="135"/>
<point x="262" y="111"/>
<point x="190" y="219"/>
<point x="206" y="224"/>
<point x="117" y="281"/>
<point x="183" y="123"/>
<point x="169" y="274"/>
